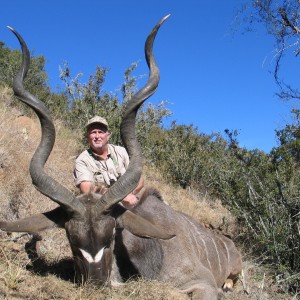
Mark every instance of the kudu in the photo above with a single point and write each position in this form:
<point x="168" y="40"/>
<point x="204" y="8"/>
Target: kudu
<point x="111" y="244"/>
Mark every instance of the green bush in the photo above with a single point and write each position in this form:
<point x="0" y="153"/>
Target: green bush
<point x="86" y="100"/>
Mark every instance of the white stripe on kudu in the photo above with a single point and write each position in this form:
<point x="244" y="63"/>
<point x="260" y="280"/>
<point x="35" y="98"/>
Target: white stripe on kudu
<point x="90" y="258"/>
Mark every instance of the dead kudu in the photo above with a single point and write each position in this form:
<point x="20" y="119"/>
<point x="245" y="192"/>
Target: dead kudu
<point x="111" y="244"/>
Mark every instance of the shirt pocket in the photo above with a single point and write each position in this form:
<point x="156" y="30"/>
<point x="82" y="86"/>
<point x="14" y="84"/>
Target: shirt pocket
<point x="98" y="177"/>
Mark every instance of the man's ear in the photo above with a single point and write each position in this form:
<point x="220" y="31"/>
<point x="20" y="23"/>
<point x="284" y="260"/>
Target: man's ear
<point x="109" y="135"/>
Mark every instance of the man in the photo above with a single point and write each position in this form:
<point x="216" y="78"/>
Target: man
<point x="102" y="164"/>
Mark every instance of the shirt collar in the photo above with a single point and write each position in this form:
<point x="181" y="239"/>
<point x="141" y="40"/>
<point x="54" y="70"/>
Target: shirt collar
<point x="98" y="157"/>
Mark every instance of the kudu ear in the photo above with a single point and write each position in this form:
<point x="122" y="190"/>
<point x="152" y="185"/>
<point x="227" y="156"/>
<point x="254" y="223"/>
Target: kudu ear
<point x="143" y="228"/>
<point x="33" y="224"/>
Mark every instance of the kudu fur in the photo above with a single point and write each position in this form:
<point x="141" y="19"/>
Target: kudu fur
<point x="111" y="244"/>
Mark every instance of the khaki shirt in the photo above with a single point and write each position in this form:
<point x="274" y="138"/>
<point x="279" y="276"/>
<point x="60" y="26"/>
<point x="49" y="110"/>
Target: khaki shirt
<point x="89" y="167"/>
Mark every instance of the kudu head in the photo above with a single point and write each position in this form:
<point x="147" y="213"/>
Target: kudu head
<point x="89" y="219"/>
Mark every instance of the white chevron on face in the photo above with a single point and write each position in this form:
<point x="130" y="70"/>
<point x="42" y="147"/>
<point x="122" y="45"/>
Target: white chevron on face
<point x="90" y="258"/>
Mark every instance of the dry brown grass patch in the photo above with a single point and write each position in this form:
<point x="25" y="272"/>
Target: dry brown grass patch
<point x="204" y="209"/>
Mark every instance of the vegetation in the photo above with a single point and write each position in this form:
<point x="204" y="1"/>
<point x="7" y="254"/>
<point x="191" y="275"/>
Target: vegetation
<point x="260" y="189"/>
<point x="36" y="80"/>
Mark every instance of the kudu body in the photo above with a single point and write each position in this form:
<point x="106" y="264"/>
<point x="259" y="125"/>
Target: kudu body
<point x="111" y="244"/>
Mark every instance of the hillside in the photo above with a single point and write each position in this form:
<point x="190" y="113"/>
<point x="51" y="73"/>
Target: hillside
<point x="40" y="267"/>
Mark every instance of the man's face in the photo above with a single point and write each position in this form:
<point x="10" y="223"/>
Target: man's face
<point x="98" y="136"/>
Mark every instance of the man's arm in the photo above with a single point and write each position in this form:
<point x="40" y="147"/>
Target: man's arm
<point x="86" y="187"/>
<point x="139" y="186"/>
<point x="83" y="176"/>
<point x="131" y="200"/>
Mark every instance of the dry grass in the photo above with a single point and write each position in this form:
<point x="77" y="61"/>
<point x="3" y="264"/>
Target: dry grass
<point x="41" y="267"/>
<point x="203" y="209"/>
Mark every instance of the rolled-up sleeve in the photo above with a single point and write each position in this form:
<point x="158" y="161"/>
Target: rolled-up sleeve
<point x="82" y="172"/>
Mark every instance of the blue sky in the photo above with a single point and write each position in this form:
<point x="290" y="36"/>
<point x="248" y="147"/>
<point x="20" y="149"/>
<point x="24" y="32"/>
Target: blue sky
<point x="213" y="78"/>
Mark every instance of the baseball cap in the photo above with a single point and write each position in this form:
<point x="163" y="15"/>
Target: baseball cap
<point x="96" y="119"/>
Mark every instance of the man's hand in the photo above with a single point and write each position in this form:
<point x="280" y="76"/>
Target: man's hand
<point x="87" y="187"/>
<point x="130" y="201"/>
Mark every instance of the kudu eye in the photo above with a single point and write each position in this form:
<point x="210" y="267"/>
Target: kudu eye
<point x="107" y="212"/>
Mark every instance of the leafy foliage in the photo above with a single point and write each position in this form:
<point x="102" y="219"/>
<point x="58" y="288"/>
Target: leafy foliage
<point x="268" y="205"/>
<point x="35" y="82"/>
<point x="88" y="100"/>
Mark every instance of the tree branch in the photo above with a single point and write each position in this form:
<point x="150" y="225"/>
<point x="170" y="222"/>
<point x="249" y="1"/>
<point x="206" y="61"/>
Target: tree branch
<point x="287" y="21"/>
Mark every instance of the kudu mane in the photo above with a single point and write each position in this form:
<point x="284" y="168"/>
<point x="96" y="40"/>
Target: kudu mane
<point x="150" y="191"/>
